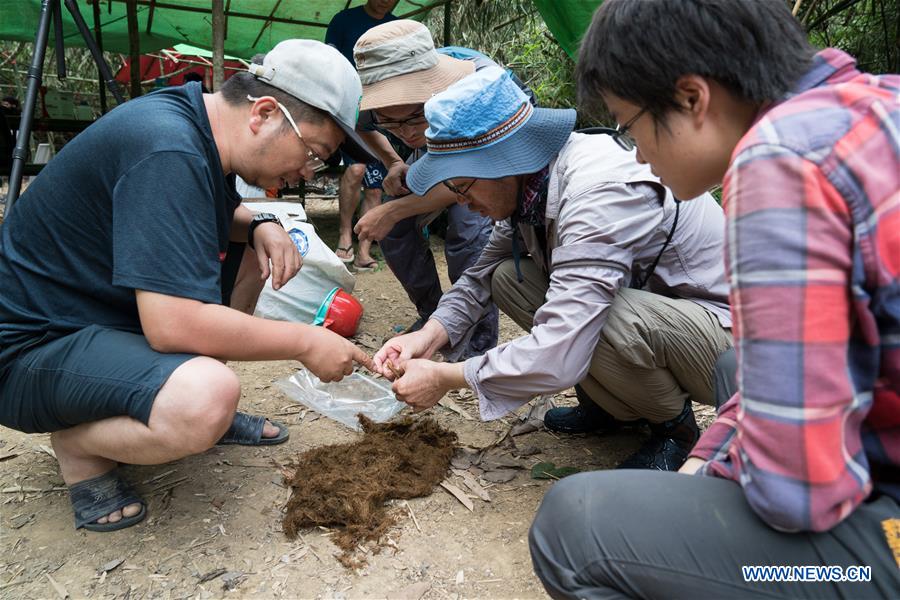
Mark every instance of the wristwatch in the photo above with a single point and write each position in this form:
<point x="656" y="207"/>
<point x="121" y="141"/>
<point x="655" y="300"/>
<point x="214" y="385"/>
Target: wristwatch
<point x="259" y="219"/>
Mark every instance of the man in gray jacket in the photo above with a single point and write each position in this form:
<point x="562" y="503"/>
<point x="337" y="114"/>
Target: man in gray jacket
<point x="623" y="289"/>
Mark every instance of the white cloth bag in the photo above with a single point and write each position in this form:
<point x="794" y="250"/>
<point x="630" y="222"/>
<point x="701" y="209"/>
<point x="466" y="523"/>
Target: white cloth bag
<point x="322" y="271"/>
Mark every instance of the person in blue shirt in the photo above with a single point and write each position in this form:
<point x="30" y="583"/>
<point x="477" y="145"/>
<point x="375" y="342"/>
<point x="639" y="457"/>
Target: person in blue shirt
<point x="114" y="317"/>
<point x="344" y="29"/>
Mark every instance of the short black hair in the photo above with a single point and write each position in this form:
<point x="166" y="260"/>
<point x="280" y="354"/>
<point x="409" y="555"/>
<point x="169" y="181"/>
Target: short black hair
<point x="638" y="49"/>
<point x="243" y="83"/>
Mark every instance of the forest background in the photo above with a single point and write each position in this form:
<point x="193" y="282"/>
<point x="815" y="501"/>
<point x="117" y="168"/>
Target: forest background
<point x="514" y="34"/>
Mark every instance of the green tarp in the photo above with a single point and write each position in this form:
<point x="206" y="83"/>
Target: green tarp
<point x="568" y="20"/>
<point x="245" y="36"/>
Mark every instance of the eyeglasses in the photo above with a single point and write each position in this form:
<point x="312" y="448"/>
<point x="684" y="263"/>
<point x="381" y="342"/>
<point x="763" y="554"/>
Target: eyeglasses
<point x="460" y="193"/>
<point x="416" y="120"/>
<point x="312" y="159"/>
<point x="621" y="135"/>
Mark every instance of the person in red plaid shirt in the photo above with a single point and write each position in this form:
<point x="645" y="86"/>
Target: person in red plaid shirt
<point x="802" y="465"/>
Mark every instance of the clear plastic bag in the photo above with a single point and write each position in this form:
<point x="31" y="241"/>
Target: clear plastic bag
<point x="343" y="400"/>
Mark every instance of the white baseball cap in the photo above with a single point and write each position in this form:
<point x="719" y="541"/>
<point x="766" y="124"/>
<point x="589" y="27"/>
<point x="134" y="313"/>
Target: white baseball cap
<point x="322" y="77"/>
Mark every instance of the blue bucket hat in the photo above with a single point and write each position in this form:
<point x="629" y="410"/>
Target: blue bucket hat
<point x="484" y="127"/>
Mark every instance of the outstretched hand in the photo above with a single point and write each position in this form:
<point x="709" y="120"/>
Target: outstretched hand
<point x="330" y="357"/>
<point x="376" y="223"/>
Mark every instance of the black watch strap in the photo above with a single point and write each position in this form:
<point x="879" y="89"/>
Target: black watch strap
<point x="258" y="220"/>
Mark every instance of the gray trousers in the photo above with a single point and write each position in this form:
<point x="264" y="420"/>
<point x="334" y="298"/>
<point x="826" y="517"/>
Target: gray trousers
<point x="650" y="534"/>
<point x="654" y="352"/>
<point x="409" y="256"/>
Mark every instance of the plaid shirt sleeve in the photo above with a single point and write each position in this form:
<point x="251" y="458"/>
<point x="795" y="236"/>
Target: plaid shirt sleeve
<point x="791" y="437"/>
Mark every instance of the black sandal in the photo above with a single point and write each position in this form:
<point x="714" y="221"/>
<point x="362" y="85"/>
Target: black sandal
<point x="246" y="430"/>
<point x="99" y="496"/>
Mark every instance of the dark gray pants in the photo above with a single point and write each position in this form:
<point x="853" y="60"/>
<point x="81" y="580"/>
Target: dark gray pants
<point x="649" y="534"/>
<point x="409" y="256"/>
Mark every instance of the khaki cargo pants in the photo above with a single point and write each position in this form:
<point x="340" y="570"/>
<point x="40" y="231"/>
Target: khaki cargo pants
<point x="654" y="352"/>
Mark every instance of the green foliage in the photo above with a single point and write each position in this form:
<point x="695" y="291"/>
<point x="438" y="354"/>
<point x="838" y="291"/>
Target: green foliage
<point x="867" y="29"/>
<point x="82" y="80"/>
<point x="513" y="33"/>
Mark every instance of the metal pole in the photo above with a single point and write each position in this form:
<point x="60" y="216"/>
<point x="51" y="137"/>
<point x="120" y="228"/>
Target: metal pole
<point x="98" y="35"/>
<point x="448" y="40"/>
<point x="20" y="153"/>
<point x="58" y="44"/>
<point x="96" y="51"/>
<point x="134" y="48"/>
<point x="218" y="35"/>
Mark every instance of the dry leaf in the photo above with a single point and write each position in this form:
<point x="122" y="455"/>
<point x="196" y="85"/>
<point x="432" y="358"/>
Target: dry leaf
<point x="473" y="485"/>
<point x="450" y="404"/>
<point x="48" y="450"/>
<point x="111" y="565"/>
<point x="458" y="494"/>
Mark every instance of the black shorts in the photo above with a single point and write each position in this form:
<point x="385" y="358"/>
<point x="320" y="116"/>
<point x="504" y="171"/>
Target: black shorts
<point x="89" y="375"/>
<point x="92" y="374"/>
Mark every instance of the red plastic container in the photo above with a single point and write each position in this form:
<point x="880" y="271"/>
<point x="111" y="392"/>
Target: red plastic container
<point x="340" y="312"/>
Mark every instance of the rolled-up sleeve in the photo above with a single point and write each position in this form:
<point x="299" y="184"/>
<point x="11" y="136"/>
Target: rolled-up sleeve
<point x="599" y="231"/>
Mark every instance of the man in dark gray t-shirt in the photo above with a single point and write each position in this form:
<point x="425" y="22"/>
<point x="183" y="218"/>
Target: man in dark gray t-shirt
<point x="113" y="330"/>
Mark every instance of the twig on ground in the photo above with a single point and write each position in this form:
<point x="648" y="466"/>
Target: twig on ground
<point x="156" y="478"/>
<point x="413" y="515"/>
<point x="165" y="487"/>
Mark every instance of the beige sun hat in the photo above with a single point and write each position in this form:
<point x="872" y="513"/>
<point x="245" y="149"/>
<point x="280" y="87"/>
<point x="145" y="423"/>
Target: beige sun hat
<point x="397" y="64"/>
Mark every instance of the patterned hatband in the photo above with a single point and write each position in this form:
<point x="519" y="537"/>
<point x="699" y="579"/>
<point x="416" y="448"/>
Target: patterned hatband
<point x="519" y="118"/>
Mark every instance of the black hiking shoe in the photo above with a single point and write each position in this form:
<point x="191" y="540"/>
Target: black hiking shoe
<point x="584" y="418"/>
<point x="669" y="444"/>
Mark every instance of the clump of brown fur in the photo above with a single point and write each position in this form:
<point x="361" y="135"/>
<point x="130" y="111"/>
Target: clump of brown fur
<point x="346" y="485"/>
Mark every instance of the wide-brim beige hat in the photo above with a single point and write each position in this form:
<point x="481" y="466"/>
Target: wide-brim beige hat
<point x="397" y="64"/>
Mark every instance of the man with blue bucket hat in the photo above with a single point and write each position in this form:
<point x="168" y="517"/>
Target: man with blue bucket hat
<point x="621" y="287"/>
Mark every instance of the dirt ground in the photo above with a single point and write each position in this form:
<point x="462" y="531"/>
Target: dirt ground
<point x="214" y="523"/>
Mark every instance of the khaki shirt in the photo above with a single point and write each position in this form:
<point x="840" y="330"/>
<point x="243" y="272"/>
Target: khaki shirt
<point x="607" y="219"/>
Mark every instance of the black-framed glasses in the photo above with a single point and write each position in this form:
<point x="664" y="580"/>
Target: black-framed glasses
<point x="312" y="159"/>
<point x="622" y="137"/>
<point x="462" y="193"/>
<point x="620" y="134"/>
<point x="415" y="120"/>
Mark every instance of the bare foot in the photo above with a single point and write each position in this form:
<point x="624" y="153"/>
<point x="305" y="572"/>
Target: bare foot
<point x="269" y="430"/>
<point x="344" y="250"/>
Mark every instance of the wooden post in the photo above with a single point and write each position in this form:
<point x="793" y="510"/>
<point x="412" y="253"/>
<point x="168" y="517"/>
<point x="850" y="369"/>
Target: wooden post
<point x="98" y="35"/>
<point x="218" y="35"/>
<point x="134" y="48"/>
<point x="448" y="40"/>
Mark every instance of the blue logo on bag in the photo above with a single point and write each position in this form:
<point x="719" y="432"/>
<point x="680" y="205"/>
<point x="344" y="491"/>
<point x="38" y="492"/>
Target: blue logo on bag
<point x="300" y="240"/>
